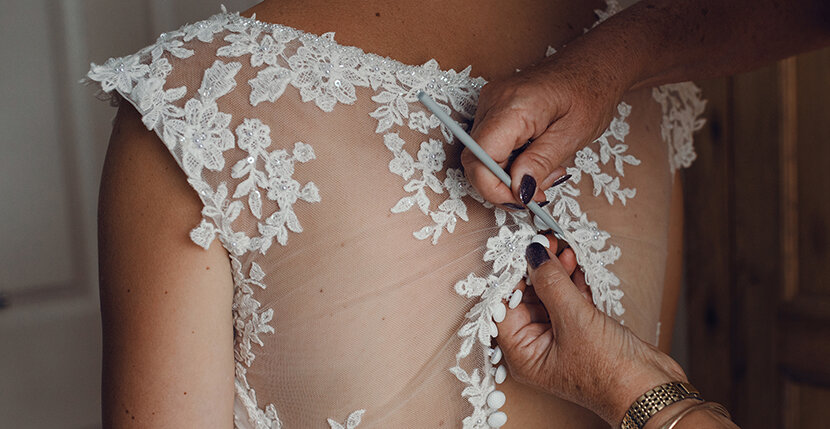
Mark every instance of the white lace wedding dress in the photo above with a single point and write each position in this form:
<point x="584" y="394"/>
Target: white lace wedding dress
<point x="367" y="271"/>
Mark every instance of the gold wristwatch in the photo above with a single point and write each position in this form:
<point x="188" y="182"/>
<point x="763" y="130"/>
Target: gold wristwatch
<point x="655" y="400"/>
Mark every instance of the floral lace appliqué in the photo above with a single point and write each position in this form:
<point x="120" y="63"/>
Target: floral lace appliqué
<point x="118" y="73"/>
<point x="587" y="160"/>
<point x="198" y="133"/>
<point x="351" y="422"/>
<point x="249" y="322"/>
<point x="506" y="252"/>
<point x="326" y="76"/>
<point x="682" y="107"/>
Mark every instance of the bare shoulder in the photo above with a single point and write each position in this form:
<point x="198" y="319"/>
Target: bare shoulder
<point x="165" y="302"/>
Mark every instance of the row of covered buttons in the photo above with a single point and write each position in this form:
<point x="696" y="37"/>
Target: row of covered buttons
<point x="496" y="398"/>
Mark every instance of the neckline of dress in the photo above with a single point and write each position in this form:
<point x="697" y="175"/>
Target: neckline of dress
<point x="430" y="67"/>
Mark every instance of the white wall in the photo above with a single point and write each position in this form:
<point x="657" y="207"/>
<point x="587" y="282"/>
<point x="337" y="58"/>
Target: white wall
<point x="51" y="150"/>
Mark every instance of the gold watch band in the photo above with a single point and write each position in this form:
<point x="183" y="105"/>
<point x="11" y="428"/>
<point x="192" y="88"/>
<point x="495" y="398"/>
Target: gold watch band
<point x="655" y="400"/>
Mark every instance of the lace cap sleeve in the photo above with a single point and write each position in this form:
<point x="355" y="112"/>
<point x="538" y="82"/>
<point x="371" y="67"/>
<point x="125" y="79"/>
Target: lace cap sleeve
<point x="682" y="106"/>
<point x="195" y="91"/>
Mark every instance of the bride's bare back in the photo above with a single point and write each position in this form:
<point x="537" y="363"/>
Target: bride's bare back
<point x="347" y="301"/>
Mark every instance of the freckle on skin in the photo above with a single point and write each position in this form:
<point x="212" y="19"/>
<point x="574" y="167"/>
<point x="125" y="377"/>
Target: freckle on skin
<point x="321" y="290"/>
<point x="185" y="393"/>
<point x="165" y="292"/>
<point x="207" y="268"/>
<point x="128" y="291"/>
<point x="377" y="13"/>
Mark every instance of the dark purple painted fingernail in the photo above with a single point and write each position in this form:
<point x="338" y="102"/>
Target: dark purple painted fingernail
<point x="527" y="188"/>
<point x="561" y="180"/>
<point x="544" y="203"/>
<point x="513" y="206"/>
<point x="536" y="255"/>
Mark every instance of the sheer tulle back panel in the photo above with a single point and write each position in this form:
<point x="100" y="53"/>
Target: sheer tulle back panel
<point x="344" y="307"/>
<point x="365" y="315"/>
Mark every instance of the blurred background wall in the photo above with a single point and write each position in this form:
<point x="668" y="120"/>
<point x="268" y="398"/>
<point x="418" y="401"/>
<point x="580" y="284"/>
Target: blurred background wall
<point x="758" y="245"/>
<point x="54" y="136"/>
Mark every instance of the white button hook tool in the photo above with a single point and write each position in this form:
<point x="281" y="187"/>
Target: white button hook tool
<point x="485" y="158"/>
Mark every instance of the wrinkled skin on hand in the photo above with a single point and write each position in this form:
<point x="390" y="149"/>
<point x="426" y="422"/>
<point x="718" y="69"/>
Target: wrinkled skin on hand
<point x="556" y="340"/>
<point x="561" y="104"/>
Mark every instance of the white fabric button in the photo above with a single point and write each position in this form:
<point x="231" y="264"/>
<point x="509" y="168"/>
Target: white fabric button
<point x="495" y="357"/>
<point x="541" y="239"/>
<point x="499" y="312"/>
<point x="501" y="374"/>
<point x="515" y="299"/>
<point x="496" y="399"/>
<point x="497" y="419"/>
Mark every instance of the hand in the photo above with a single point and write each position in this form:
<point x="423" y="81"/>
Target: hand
<point x="566" y="346"/>
<point x="561" y="104"/>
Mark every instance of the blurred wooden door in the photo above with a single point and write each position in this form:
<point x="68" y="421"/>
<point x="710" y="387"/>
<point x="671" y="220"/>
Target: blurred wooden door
<point x="758" y="245"/>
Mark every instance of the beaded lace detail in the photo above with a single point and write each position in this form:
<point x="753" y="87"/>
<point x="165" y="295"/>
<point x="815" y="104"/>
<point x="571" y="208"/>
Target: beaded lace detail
<point x="326" y="73"/>
<point x="506" y="252"/>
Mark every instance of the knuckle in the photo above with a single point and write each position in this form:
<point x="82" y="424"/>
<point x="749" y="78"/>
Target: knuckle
<point x="549" y="277"/>
<point x="539" y="159"/>
<point x="553" y="280"/>
<point x="527" y="121"/>
<point x="480" y="178"/>
<point x="521" y="367"/>
<point x="509" y="115"/>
